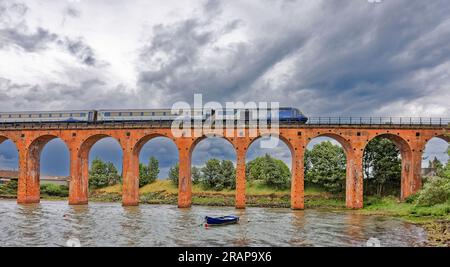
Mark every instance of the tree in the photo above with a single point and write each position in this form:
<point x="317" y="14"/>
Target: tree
<point x="212" y="175"/>
<point x="273" y="172"/>
<point x="103" y="174"/>
<point x="228" y="174"/>
<point x="148" y="174"/>
<point x="196" y="175"/>
<point x="382" y="167"/>
<point x="218" y="175"/>
<point x="446" y="171"/>
<point x="437" y="166"/>
<point x="174" y="173"/>
<point x="326" y="167"/>
<point x="175" y="170"/>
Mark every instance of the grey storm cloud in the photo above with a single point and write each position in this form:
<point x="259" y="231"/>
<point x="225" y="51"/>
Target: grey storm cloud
<point x="353" y="57"/>
<point x="89" y="94"/>
<point x="14" y="31"/>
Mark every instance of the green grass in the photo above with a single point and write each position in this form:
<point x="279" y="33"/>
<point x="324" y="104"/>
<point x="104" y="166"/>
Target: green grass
<point x="391" y="206"/>
<point x="257" y="195"/>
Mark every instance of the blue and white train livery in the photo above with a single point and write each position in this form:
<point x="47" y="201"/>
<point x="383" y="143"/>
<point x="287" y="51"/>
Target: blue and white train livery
<point x="142" y="115"/>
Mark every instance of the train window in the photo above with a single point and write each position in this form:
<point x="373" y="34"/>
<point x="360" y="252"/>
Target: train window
<point x="164" y="113"/>
<point x="107" y="114"/>
<point x="35" y="115"/>
<point x="142" y="113"/>
<point x="120" y="113"/>
<point x="153" y="113"/>
<point x="29" y="116"/>
<point x="50" y="115"/>
<point x="65" y="114"/>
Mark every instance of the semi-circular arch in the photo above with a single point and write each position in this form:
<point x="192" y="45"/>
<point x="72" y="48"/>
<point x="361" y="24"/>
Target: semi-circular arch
<point x="79" y="183"/>
<point x="406" y="152"/>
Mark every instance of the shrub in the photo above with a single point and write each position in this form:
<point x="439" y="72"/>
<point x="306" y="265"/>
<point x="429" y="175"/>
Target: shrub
<point x="174" y="173"/>
<point x="148" y="173"/>
<point x="325" y="166"/>
<point x="218" y="175"/>
<point x="274" y="172"/>
<point x="435" y="191"/>
<point x="55" y="190"/>
<point x="10" y="188"/>
<point x="103" y="174"/>
<point x="412" y="198"/>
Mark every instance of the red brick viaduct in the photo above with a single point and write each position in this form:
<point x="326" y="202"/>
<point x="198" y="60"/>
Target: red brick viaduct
<point x="30" y="141"/>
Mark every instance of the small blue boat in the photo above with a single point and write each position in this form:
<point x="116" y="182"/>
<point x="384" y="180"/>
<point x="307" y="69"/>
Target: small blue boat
<point x="221" y="220"/>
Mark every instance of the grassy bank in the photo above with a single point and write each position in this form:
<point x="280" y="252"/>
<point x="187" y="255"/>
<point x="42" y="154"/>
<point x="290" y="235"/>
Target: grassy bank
<point x="257" y="195"/>
<point x="434" y="219"/>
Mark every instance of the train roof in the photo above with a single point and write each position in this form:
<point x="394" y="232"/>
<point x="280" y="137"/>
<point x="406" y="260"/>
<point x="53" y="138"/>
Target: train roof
<point x="45" y="111"/>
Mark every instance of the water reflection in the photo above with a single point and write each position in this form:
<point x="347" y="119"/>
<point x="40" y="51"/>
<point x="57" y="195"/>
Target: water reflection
<point x="52" y="223"/>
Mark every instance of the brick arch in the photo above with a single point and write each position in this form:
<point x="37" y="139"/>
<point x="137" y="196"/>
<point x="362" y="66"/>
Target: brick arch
<point x="353" y="178"/>
<point x="91" y="140"/>
<point x="406" y="152"/>
<point x="29" y="174"/>
<point x="4" y="137"/>
<point x="346" y="144"/>
<point x="280" y="136"/>
<point x="199" y="139"/>
<point x="137" y="147"/>
<point x="40" y="141"/>
<point x="402" y="143"/>
<point x="296" y="171"/>
<point x="80" y="175"/>
<point x="130" y="171"/>
<point x="445" y="137"/>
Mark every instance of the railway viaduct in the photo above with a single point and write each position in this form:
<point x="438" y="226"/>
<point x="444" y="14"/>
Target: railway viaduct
<point x="410" y="138"/>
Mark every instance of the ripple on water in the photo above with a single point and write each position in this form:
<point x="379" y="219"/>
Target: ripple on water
<point x="52" y="223"/>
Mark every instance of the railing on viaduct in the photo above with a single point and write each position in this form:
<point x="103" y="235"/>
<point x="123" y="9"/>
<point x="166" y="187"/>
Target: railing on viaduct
<point x="410" y="135"/>
<point x="406" y="121"/>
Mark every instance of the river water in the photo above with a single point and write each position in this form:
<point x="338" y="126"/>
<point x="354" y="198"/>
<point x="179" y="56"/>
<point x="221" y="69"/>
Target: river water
<point x="53" y="223"/>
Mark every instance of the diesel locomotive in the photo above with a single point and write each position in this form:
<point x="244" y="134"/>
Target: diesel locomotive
<point x="285" y="114"/>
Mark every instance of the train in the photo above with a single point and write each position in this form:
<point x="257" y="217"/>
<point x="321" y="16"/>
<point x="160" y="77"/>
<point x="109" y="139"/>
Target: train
<point x="285" y="114"/>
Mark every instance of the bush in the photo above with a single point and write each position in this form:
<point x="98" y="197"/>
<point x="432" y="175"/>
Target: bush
<point x="325" y="166"/>
<point x="412" y="199"/>
<point x="55" y="190"/>
<point x="103" y="174"/>
<point x="218" y="175"/>
<point x="10" y="188"/>
<point x="435" y="191"/>
<point x="274" y="172"/>
<point x="148" y="173"/>
<point x="174" y="172"/>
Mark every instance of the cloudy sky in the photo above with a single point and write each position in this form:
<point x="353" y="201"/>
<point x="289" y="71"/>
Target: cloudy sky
<point x="328" y="58"/>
